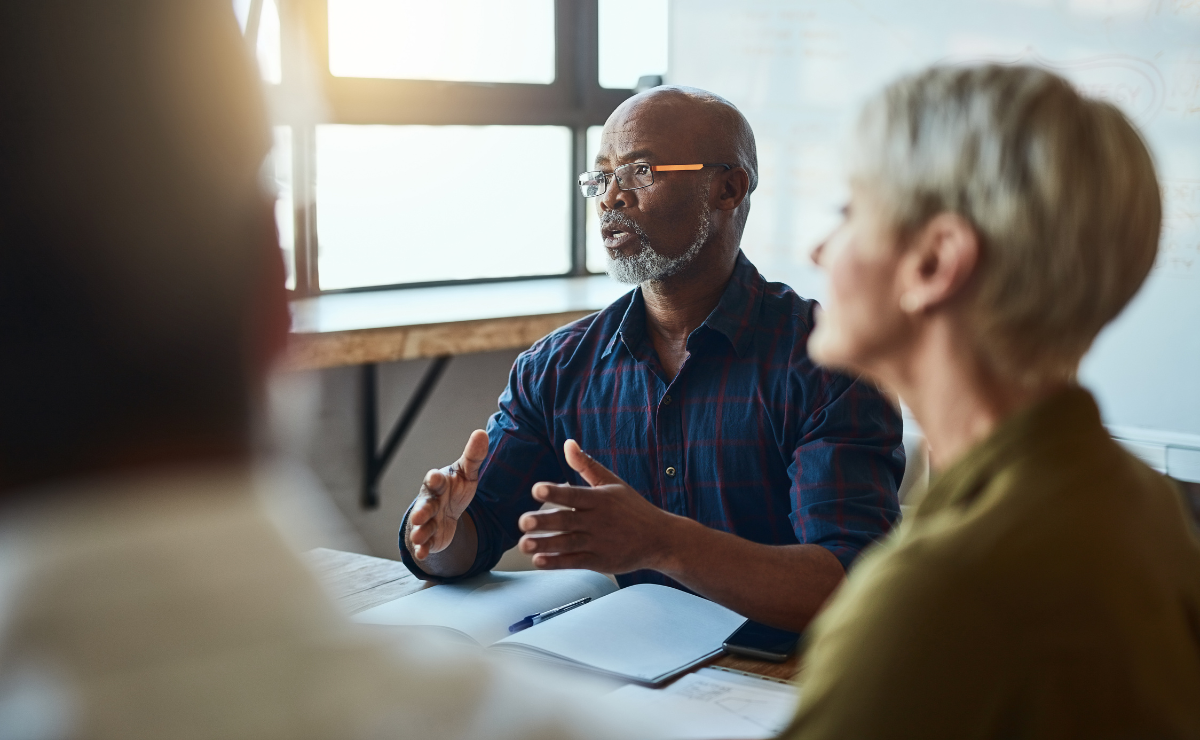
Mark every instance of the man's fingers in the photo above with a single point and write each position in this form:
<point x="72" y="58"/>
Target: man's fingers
<point x="425" y="509"/>
<point x="435" y="481"/>
<point x="550" y="520"/>
<point x="422" y="551"/>
<point x="422" y="533"/>
<point x="573" y="497"/>
<point x="581" y="462"/>
<point x="473" y="454"/>
<point x="584" y="560"/>
<point x="554" y="543"/>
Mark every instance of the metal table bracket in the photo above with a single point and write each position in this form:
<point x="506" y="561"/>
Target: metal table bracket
<point x="375" y="460"/>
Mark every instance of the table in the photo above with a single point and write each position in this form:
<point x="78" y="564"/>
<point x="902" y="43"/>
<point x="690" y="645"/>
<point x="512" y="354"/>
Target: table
<point x="359" y="582"/>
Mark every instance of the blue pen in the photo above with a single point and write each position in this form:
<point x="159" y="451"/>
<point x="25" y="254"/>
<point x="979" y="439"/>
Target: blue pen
<point x="533" y="619"/>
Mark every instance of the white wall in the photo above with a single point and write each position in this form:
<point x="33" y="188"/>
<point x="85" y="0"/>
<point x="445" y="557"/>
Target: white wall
<point x="332" y="445"/>
<point x="799" y="71"/>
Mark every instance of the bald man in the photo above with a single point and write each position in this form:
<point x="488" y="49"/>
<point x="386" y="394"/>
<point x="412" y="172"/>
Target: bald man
<point x="701" y="447"/>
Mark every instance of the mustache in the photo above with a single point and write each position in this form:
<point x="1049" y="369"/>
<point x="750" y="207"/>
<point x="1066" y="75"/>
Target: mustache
<point x="615" y="218"/>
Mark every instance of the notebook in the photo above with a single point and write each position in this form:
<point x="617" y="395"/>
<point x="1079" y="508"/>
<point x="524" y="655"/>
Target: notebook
<point x="645" y="633"/>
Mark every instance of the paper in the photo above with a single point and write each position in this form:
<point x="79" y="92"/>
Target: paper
<point x="482" y="608"/>
<point x="711" y="704"/>
<point x="645" y="633"/>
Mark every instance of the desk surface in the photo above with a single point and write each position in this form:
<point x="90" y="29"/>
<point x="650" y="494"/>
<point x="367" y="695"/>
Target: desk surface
<point x="360" y="582"/>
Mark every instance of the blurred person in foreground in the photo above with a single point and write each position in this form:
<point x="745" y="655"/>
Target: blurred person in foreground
<point x="1048" y="584"/>
<point x="145" y="589"/>
<point x="700" y="446"/>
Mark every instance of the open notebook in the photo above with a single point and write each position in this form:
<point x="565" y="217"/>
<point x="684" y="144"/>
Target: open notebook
<point x="643" y="633"/>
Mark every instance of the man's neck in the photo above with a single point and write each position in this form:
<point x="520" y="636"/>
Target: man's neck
<point x="677" y="306"/>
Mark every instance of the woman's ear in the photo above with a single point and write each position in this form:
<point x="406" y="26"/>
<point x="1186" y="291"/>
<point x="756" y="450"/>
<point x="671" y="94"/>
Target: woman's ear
<point x="938" y="262"/>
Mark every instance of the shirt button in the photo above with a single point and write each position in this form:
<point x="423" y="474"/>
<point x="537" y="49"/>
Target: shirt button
<point x="666" y="400"/>
<point x="671" y="472"/>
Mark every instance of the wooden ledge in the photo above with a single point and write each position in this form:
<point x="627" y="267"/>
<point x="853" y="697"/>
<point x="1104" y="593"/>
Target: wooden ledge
<point x="389" y="344"/>
<point x="411" y="323"/>
<point x="407" y="324"/>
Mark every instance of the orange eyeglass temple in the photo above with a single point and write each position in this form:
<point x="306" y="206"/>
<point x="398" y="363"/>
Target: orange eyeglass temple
<point x="675" y="167"/>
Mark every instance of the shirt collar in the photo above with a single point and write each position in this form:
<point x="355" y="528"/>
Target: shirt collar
<point x="1067" y="415"/>
<point x="735" y="316"/>
<point x="632" y="328"/>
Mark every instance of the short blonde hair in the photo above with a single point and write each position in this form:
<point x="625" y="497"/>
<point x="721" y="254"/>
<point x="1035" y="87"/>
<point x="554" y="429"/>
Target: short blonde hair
<point x="1060" y="189"/>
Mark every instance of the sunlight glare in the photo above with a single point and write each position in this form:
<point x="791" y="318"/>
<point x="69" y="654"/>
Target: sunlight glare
<point x="461" y="40"/>
<point x="410" y="204"/>
<point x="270" y="58"/>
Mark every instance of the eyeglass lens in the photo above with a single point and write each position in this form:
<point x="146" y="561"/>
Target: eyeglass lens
<point x="629" y="177"/>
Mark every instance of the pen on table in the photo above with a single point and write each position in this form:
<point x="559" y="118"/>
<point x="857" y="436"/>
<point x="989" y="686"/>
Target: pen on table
<point x="533" y="619"/>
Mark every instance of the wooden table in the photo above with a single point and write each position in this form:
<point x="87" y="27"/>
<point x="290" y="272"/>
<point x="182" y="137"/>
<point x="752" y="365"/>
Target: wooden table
<point x="359" y="582"/>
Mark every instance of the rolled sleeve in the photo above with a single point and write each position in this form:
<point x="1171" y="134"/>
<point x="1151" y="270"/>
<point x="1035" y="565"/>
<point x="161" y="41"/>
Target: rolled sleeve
<point x="411" y="563"/>
<point x="846" y="470"/>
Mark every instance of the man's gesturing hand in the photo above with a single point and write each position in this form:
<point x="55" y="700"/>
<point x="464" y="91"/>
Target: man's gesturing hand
<point x="609" y="527"/>
<point x="444" y="497"/>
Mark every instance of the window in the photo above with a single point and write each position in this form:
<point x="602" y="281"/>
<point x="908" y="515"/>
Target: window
<point x="259" y="20"/>
<point x="426" y="142"/>
<point x="463" y="40"/>
<point x="415" y="204"/>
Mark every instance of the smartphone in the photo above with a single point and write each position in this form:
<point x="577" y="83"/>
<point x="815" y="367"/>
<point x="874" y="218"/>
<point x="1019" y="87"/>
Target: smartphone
<point x="754" y="640"/>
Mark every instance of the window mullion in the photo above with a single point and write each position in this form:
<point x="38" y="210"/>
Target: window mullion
<point x="304" y="180"/>
<point x="296" y="19"/>
<point x="579" y="205"/>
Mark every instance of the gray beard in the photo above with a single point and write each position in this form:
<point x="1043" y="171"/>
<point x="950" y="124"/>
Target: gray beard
<point x="648" y="265"/>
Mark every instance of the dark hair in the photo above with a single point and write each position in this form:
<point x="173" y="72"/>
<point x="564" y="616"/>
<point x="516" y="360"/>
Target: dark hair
<point x="131" y="137"/>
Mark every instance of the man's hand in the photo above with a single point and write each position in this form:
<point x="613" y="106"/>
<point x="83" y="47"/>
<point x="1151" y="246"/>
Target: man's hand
<point x="444" y="497"/>
<point x="609" y="527"/>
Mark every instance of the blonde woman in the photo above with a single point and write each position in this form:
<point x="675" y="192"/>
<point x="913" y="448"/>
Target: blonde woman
<point x="1048" y="584"/>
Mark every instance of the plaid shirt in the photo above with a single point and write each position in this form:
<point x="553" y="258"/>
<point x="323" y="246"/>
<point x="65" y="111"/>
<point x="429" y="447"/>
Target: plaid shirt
<point x="750" y="437"/>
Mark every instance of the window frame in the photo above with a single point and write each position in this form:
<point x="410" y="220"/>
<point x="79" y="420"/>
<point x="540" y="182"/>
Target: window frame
<point x="574" y="100"/>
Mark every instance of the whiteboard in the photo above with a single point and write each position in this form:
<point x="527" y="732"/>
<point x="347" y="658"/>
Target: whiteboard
<point x="800" y="70"/>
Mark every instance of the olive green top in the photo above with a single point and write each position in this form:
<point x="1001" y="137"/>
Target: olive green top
<point x="1048" y="585"/>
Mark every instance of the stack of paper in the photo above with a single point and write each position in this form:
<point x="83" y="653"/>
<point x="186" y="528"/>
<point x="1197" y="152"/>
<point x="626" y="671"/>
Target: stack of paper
<point x="713" y="703"/>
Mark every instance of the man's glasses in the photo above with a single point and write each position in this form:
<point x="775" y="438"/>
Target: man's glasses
<point x="632" y="176"/>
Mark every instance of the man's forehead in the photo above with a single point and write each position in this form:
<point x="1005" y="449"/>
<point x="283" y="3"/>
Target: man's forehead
<point x="624" y="144"/>
<point x="628" y="143"/>
<point x="665" y="128"/>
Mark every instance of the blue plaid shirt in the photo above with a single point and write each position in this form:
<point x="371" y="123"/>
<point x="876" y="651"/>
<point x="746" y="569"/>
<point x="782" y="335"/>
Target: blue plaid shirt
<point x="750" y="437"/>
